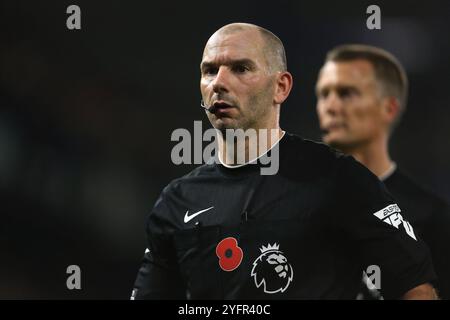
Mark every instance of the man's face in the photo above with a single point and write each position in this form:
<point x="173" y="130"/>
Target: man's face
<point x="349" y="104"/>
<point x="235" y="78"/>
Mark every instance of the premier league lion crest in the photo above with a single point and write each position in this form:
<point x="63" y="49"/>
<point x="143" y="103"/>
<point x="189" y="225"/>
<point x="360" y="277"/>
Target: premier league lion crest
<point x="271" y="270"/>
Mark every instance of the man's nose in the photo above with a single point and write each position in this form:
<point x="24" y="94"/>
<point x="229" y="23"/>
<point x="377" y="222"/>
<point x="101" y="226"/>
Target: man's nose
<point x="220" y="82"/>
<point x="332" y="104"/>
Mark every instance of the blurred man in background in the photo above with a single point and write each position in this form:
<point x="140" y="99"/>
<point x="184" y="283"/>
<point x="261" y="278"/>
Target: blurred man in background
<point x="361" y="96"/>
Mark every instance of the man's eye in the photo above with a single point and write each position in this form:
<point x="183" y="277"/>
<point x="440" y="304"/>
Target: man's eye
<point x="322" y="94"/>
<point x="346" y="93"/>
<point x="240" y="69"/>
<point x="209" y="71"/>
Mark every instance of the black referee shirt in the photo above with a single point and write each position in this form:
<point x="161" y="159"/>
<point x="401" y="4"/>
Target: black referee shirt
<point x="306" y="232"/>
<point x="430" y="217"/>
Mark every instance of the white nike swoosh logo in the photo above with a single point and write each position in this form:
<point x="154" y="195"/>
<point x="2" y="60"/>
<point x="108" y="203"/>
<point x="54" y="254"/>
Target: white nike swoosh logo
<point x="188" y="218"/>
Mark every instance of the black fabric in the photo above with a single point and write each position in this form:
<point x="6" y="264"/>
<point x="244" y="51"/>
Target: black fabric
<point x="306" y="232"/>
<point x="430" y="217"/>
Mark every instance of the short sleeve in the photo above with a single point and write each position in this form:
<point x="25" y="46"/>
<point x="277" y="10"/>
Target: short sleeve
<point x="373" y="222"/>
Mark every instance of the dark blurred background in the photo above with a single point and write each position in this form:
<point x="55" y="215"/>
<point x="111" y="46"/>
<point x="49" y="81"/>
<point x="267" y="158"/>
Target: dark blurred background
<point x="86" y="117"/>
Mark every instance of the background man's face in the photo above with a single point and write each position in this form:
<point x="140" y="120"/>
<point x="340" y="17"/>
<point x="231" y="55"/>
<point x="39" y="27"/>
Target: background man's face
<point x="234" y="75"/>
<point x="349" y="104"/>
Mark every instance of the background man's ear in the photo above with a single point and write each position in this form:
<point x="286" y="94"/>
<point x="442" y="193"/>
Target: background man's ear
<point x="391" y="108"/>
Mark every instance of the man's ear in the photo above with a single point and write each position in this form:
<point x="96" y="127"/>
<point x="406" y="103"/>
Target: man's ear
<point x="283" y="87"/>
<point x="391" y="109"/>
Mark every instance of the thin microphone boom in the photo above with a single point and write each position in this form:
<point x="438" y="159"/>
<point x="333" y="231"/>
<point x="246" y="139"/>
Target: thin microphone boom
<point x="210" y="109"/>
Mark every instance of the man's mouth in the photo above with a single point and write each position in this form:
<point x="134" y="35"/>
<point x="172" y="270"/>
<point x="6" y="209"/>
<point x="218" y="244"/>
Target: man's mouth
<point x="331" y="127"/>
<point x="221" y="108"/>
<point x="220" y="105"/>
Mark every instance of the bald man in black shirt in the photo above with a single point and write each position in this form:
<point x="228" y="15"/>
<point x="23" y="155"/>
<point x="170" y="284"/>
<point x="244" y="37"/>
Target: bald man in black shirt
<point x="226" y="231"/>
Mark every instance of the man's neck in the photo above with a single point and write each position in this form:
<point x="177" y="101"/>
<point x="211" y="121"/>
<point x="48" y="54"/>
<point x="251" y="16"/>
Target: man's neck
<point x="243" y="150"/>
<point x="374" y="155"/>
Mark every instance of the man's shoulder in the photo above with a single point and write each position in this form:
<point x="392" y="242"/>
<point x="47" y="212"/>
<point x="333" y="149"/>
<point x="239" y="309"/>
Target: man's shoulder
<point x="401" y="184"/>
<point x="318" y="148"/>
<point x="315" y="157"/>
<point x="197" y="174"/>
<point x="352" y="181"/>
<point x="170" y="206"/>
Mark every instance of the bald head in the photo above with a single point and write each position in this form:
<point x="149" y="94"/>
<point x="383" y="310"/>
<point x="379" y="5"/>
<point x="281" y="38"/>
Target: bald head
<point x="272" y="47"/>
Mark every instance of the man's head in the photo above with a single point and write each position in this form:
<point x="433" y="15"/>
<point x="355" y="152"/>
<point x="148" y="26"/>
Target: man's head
<point x="244" y="75"/>
<point x="361" y="95"/>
